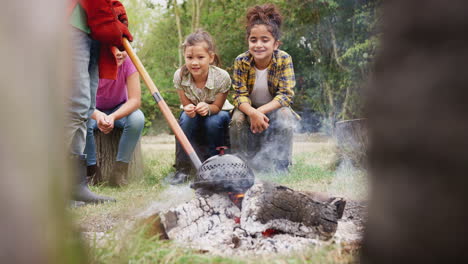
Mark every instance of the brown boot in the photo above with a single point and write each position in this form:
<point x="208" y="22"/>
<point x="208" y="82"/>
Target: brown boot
<point x="118" y="176"/>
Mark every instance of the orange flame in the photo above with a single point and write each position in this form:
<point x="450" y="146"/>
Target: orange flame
<point x="239" y="195"/>
<point x="236" y="198"/>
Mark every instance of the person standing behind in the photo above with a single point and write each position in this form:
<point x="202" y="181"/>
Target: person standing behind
<point x="202" y="88"/>
<point x="263" y="80"/>
<point x="117" y="104"/>
<point x="95" y="26"/>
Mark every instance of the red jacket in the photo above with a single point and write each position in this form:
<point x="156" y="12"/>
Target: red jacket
<point x="108" y="23"/>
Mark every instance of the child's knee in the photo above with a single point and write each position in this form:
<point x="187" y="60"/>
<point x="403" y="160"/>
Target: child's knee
<point x="238" y="120"/>
<point x="219" y="120"/>
<point x="136" y="120"/>
<point x="285" y="113"/>
<point x="285" y="118"/>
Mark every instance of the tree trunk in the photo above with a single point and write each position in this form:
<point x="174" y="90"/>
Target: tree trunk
<point x="106" y="154"/>
<point x="179" y="31"/>
<point x="351" y="137"/>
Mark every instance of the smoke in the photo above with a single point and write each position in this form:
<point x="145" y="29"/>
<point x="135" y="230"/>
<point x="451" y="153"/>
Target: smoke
<point x="349" y="181"/>
<point x="169" y="198"/>
<point x="272" y="149"/>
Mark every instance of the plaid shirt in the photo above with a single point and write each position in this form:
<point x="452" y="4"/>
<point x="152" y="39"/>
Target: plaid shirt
<point x="281" y="80"/>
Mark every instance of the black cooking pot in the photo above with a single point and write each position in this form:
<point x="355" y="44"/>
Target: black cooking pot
<point x="224" y="173"/>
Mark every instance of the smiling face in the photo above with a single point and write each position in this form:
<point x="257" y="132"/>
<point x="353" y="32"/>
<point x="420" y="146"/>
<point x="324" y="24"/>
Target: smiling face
<point x="261" y="45"/>
<point x="198" y="60"/>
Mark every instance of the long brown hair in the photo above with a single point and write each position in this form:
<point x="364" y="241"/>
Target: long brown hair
<point x="197" y="37"/>
<point x="268" y="15"/>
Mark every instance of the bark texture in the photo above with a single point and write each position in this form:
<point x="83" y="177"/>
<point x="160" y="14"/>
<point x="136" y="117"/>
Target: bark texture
<point x="271" y="206"/>
<point x="106" y="154"/>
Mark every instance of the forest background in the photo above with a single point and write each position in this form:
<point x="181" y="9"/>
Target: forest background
<point x="332" y="43"/>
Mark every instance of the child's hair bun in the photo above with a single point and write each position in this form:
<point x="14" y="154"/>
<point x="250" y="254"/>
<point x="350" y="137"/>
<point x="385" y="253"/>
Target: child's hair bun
<point x="267" y="14"/>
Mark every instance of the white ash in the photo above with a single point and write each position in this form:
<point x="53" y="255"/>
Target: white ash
<point x="348" y="231"/>
<point x="208" y="217"/>
<point x="208" y="223"/>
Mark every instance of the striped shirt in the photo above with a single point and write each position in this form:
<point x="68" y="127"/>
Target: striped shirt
<point x="281" y="80"/>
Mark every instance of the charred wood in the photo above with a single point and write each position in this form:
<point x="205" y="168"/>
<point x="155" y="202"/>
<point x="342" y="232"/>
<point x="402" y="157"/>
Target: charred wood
<point x="271" y="206"/>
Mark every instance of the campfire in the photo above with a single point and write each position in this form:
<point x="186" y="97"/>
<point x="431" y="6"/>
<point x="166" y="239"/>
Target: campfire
<point x="236" y="198"/>
<point x="266" y="218"/>
<point x="234" y="214"/>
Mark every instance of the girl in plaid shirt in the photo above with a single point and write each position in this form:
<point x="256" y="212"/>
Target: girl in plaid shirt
<point x="263" y="80"/>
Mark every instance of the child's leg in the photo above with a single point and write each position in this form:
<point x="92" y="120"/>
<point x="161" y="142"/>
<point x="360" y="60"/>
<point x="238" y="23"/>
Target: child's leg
<point x="90" y="148"/>
<point x="239" y="130"/>
<point x="215" y="127"/>
<point x="132" y="126"/>
<point x="279" y="137"/>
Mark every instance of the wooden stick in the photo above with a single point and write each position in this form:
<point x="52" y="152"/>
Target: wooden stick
<point x="166" y="111"/>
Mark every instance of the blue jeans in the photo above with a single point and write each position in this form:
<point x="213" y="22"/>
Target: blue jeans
<point x="82" y="97"/>
<point x="209" y="129"/>
<point x="132" y="126"/>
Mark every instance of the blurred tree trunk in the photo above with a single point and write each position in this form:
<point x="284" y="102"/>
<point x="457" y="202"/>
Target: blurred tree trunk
<point x="196" y="12"/>
<point x="179" y="31"/>
<point x="418" y="128"/>
<point x="35" y="183"/>
<point x="106" y="153"/>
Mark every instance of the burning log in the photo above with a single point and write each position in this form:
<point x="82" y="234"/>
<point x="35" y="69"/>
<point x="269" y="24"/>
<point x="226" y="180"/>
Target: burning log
<point x="267" y="218"/>
<point x="271" y="206"/>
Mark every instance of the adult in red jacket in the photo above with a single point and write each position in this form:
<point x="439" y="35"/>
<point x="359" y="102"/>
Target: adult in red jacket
<point x="96" y="26"/>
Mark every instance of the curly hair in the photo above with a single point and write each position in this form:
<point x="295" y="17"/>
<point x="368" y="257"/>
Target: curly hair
<point x="268" y="15"/>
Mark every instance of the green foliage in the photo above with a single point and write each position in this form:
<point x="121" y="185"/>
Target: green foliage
<point x="335" y="41"/>
<point x="332" y="42"/>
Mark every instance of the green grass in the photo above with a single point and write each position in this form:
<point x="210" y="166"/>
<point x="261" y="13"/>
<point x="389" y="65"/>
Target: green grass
<point x="128" y="242"/>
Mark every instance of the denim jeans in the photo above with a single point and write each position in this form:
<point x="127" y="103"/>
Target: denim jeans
<point x="267" y="150"/>
<point x="82" y="97"/>
<point x="132" y="126"/>
<point x="206" y="131"/>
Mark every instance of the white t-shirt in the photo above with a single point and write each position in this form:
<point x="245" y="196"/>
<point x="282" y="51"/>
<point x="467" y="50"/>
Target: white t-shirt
<point x="260" y="94"/>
